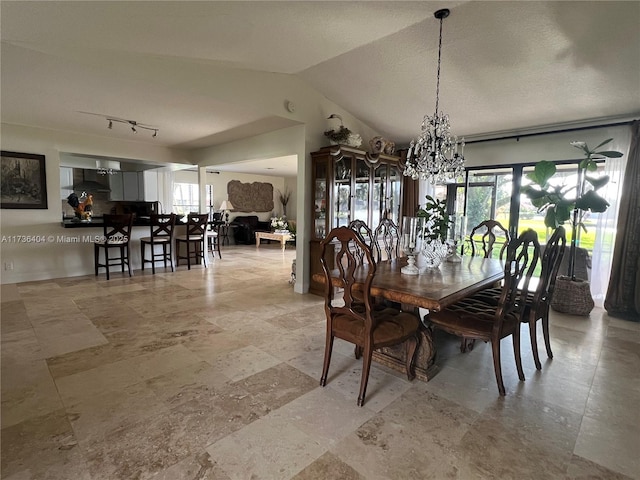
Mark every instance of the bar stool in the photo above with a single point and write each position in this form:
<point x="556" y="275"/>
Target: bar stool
<point x="161" y="229"/>
<point x="195" y="240"/>
<point x="116" y="234"/>
<point x="213" y="239"/>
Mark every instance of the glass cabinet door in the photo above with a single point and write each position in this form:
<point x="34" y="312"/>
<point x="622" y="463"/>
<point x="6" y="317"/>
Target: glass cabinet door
<point x="361" y="197"/>
<point x="395" y="187"/>
<point x="378" y="199"/>
<point x="320" y="199"/>
<point x="341" y="209"/>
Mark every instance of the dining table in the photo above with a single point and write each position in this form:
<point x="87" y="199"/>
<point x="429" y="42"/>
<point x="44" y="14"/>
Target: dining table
<point x="433" y="289"/>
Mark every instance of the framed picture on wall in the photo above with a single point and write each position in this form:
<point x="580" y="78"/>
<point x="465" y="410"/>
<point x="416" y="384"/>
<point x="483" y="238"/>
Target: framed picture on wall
<point x="23" y="181"/>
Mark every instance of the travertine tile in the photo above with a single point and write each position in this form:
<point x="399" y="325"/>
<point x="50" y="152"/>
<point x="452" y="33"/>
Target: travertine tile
<point x="265" y="453"/>
<point x="203" y="374"/>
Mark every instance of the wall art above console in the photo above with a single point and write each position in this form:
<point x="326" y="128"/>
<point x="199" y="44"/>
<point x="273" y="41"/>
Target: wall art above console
<point x="250" y="197"/>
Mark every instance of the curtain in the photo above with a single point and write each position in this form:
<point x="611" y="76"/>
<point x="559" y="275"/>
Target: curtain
<point x="605" y="230"/>
<point x="623" y="295"/>
<point x="165" y="181"/>
<point x="410" y="198"/>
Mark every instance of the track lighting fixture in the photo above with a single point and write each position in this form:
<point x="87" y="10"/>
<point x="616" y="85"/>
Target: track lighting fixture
<point x="135" y="126"/>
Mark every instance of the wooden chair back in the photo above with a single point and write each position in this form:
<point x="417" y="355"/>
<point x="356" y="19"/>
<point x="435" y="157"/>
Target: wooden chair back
<point x="523" y="254"/>
<point x="366" y="235"/>
<point x="117" y="228"/>
<point x="483" y="237"/>
<point x="341" y="249"/>
<point x="197" y="226"/>
<point x="162" y="226"/>
<point x="551" y="260"/>
<point x="387" y="240"/>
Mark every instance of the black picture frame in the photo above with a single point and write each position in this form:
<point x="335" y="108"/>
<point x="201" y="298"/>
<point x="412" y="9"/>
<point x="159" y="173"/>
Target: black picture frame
<point x="23" y="180"/>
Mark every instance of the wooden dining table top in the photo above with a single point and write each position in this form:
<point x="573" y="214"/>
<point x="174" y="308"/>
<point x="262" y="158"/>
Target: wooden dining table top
<point x="434" y="289"/>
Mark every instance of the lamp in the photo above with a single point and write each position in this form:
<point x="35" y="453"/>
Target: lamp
<point x="226" y="206"/>
<point x="434" y="156"/>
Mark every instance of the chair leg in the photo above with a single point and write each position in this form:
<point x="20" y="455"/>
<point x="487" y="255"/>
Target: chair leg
<point x="357" y="352"/>
<point x="96" y="257"/>
<point x="467" y="344"/>
<point x="534" y="340"/>
<point x="327" y="359"/>
<point x="366" y="368"/>
<point x="142" y="244"/>
<point x="128" y="260"/>
<point x="205" y="253"/>
<point x="516" y="351"/>
<point x="495" y="348"/>
<point x="106" y="260"/>
<point x="545" y="330"/>
<point x="412" y="348"/>
<point x="164" y="255"/>
<point x="171" y="256"/>
<point x="188" y="255"/>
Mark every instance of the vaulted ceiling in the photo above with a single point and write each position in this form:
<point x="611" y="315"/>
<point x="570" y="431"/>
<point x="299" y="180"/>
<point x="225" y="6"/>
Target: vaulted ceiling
<point x="506" y="65"/>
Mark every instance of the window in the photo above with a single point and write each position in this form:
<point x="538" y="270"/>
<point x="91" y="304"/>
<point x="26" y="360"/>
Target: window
<point x="186" y="198"/>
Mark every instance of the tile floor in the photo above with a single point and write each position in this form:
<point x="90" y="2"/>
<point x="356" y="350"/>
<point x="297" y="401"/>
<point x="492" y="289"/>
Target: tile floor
<point x="213" y="374"/>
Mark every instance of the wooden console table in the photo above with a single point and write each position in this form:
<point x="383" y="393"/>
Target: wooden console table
<point x="281" y="237"/>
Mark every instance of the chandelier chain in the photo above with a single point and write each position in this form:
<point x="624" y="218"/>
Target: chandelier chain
<point x="438" y="78"/>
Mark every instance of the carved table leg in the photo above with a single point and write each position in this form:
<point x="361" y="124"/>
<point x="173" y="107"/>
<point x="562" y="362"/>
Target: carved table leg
<point x="394" y="357"/>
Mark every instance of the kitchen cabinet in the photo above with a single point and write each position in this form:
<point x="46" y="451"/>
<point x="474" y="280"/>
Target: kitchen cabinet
<point x="350" y="184"/>
<point x="140" y="186"/>
<point x="66" y="182"/>
<point x="116" y="187"/>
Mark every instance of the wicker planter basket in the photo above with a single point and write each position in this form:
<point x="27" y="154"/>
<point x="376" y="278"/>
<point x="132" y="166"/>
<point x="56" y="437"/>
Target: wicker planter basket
<point x="572" y="296"/>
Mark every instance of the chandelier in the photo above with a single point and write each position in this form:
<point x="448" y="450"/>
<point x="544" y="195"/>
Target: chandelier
<point x="434" y="155"/>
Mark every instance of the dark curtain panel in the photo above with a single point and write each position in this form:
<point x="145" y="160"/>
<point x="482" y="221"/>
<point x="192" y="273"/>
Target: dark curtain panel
<point x="410" y="199"/>
<point x="623" y="294"/>
<point x="410" y="190"/>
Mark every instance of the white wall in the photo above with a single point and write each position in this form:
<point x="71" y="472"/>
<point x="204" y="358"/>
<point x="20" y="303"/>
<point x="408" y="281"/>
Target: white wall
<point x="554" y="146"/>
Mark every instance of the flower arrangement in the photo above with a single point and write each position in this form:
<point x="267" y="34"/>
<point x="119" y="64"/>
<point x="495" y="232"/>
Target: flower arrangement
<point x="279" y="223"/>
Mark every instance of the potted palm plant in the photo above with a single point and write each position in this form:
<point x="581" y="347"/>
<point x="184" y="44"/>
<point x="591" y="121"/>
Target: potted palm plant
<point x="562" y="203"/>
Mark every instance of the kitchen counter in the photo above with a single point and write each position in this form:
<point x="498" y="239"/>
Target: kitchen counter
<point x="97" y="222"/>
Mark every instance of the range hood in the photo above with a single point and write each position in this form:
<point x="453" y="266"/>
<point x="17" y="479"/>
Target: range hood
<point x="90" y="183"/>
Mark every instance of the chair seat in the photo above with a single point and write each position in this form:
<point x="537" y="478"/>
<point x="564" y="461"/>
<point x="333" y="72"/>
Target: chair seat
<point x="474" y="318"/>
<point x="191" y="238"/>
<point x="162" y="239"/>
<point x="391" y="326"/>
<point x="491" y="296"/>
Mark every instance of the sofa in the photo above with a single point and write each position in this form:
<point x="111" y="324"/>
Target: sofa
<point x="245" y="228"/>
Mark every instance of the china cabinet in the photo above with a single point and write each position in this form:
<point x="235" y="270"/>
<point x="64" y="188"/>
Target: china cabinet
<point x="350" y="184"/>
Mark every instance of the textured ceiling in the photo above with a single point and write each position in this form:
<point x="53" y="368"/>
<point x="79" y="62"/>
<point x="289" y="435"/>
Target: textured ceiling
<point x="506" y="65"/>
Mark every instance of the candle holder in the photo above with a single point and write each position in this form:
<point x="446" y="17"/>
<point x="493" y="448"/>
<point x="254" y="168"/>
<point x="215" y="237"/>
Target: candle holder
<point x="456" y="235"/>
<point x="411" y="243"/>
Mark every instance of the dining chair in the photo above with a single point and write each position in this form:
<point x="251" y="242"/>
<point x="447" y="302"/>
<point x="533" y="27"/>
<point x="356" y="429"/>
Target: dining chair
<point x="354" y="319"/>
<point x="472" y="318"/>
<point x="537" y="302"/>
<point x="483" y="238"/>
<point x="388" y="235"/>
<point x="161" y="231"/>
<point x="116" y="236"/>
<point x="194" y="240"/>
